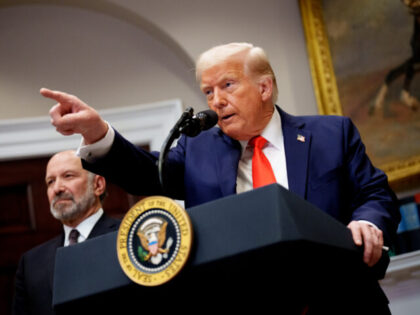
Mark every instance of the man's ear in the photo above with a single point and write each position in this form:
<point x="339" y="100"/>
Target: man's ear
<point x="266" y="88"/>
<point x="99" y="185"/>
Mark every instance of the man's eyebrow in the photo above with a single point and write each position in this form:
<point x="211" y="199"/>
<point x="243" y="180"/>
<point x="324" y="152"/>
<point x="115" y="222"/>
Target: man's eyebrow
<point x="224" y="77"/>
<point x="229" y="76"/>
<point x="203" y="86"/>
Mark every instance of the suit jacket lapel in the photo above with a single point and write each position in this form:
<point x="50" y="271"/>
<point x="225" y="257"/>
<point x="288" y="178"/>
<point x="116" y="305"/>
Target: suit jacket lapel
<point x="297" y="143"/>
<point x="104" y="225"/>
<point x="228" y="155"/>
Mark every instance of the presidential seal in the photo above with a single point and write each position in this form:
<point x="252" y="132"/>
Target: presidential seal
<point x="154" y="241"/>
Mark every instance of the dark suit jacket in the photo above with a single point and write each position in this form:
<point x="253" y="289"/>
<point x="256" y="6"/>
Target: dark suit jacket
<point x="330" y="169"/>
<point x="34" y="277"/>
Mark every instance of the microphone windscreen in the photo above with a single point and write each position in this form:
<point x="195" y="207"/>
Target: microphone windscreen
<point x="207" y="118"/>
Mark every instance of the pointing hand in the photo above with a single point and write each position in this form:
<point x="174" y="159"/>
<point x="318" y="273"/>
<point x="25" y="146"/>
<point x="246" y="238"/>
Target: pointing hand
<point x="71" y="115"/>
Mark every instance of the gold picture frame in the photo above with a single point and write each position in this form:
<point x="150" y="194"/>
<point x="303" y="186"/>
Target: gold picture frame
<point x="327" y="92"/>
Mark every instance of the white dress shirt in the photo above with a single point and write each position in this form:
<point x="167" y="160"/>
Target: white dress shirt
<point x="91" y="152"/>
<point x="273" y="150"/>
<point x="84" y="228"/>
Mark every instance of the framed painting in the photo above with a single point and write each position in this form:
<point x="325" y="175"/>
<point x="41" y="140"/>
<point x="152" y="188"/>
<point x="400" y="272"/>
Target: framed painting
<point x="364" y="56"/>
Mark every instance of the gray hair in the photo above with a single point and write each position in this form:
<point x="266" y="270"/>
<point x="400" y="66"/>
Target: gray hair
<point x="255" y="61"/>
<point x="91" y="178"/>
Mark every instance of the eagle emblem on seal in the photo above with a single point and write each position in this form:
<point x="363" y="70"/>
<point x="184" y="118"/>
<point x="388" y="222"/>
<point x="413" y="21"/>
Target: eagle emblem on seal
<point x="152" y="235"/>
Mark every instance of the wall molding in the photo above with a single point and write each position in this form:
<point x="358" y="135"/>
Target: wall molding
<point x="402" y="263"/>
<point x="140" y="124"/>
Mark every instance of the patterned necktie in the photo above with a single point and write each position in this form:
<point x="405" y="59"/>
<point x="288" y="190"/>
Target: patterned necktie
<point x="73" y="236"/>
<point x="262" y="173"/>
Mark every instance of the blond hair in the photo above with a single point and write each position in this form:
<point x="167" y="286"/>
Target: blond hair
<point x="254" y="58"/>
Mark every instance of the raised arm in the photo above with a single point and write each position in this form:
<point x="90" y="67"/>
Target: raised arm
<point x="71" y="115"/>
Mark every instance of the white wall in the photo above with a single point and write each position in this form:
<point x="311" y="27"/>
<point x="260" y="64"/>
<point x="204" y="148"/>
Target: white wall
<point x="104" y="60"/>
<point x="127" y="52"/>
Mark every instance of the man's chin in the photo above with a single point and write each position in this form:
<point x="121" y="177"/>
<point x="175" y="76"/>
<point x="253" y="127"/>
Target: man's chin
<point x="61" y="206"/>
<point x="235" y="133"/>
<point x="63" y="211"/>
<point x="229" y="130"/>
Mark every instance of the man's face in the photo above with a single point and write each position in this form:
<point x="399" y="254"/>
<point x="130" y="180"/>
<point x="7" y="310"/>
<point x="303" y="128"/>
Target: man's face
<point x="69" y="189"/>
<point x="237" y="99"/>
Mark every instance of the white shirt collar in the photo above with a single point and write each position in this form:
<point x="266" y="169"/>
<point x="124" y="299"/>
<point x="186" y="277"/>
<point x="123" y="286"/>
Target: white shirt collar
<point x="273" y="132"/>
<point x="84" y="228"/>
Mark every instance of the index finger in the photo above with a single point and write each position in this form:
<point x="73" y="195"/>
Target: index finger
<point x="55" y="95"/>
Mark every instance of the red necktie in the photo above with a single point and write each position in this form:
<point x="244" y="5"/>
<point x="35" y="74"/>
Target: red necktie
<point x="262" y="173"/>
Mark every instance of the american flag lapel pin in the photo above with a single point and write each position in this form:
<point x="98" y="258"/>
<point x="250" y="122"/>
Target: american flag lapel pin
<point x="300" y="138"/>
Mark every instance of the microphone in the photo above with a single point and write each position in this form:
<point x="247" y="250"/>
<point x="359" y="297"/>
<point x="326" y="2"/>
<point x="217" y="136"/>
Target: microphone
<point x="201" y="121"/>
<point x="189" y="125"/>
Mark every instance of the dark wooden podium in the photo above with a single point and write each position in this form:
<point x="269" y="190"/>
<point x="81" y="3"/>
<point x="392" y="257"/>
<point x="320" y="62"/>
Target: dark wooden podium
<point x="265" y="249"/>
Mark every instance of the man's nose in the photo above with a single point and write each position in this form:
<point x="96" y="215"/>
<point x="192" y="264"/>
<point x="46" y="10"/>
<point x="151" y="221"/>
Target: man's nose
<point x="219" y="98"/>
<point x="58" y="187"/>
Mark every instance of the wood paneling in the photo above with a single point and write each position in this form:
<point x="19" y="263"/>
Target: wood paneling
<point x="25" y="219"/>
<point x="17" y="213"/>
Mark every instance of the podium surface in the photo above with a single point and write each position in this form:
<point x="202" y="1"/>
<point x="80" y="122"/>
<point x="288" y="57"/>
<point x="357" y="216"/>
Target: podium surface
<point x="243" y="246"/>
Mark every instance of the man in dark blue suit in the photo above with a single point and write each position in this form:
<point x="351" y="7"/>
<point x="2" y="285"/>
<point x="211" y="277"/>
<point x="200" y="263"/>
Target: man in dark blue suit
<point x="74" y="196"/>
<point x="320" y="158"/>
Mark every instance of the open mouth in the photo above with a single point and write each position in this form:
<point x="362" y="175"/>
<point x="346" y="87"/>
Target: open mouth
<point x="224" y="118"/>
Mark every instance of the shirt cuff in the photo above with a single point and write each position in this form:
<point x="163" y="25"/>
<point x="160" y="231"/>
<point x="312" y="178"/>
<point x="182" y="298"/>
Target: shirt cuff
<point x="97" y="150"/>
<point x="370" y="223"/>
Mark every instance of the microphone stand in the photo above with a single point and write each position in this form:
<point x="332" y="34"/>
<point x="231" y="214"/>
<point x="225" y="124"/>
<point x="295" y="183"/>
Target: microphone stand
<point x="175" y="133"/>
